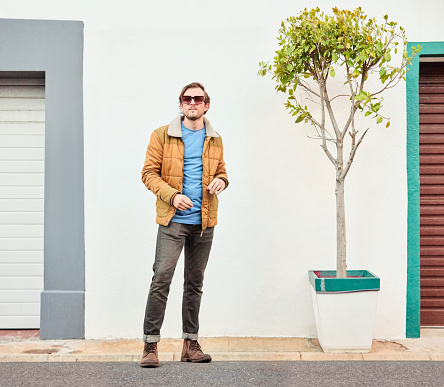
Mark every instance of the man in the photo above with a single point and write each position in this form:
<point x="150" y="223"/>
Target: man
<point x="185" y="169"/>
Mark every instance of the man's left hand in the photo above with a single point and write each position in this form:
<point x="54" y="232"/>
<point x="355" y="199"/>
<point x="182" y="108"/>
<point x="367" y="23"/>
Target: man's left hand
<point x="216" y="186"/>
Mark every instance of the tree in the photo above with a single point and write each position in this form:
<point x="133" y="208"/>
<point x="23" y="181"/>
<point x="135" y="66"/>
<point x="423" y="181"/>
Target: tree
<point x="313" y="48"/>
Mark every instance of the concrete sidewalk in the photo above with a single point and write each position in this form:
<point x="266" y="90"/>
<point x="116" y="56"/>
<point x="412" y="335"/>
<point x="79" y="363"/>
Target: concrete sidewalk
<point x="16" y="348"/>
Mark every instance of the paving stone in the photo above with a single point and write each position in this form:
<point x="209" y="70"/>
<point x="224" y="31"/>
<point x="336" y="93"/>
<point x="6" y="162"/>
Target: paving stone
<point x="437" y="356"/>
<point x="324" y="356"/>
<point x="256" y="356"/>
<point x="397" y="356"/>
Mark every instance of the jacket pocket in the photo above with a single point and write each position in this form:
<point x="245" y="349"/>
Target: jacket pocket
<point x="162" y="208"/>
<point x="214" y="204"/>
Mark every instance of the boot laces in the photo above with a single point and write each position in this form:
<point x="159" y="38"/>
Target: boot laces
<point x="195" y="346"/>
<point x="150" y="347"/>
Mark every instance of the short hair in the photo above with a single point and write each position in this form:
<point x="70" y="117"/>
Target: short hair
<point x="192" y="86"/>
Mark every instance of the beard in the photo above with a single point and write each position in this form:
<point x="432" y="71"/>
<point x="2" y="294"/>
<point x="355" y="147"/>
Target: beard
<point x="193" y="117"/>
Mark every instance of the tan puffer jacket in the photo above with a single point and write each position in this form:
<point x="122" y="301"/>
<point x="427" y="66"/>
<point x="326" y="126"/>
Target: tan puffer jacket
<point x="162" y="172"/>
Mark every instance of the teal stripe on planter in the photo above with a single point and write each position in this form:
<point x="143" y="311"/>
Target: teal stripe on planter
<point x="413" y="307"/>
<point x="325" y="281"/>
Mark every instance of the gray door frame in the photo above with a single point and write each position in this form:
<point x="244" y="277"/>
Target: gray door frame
<point x="56" y="48"/>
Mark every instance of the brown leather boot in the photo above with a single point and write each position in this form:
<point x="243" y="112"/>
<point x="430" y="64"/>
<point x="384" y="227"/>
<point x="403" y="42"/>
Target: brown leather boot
<point x="192" y="352"/>
<point x="150" y="357"/>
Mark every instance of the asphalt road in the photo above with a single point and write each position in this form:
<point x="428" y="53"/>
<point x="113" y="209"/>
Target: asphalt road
<point x="230" y="374"/>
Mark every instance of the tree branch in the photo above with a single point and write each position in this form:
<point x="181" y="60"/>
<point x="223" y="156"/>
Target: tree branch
<point x="352" y="155"/>
<point x="323" y="130"/>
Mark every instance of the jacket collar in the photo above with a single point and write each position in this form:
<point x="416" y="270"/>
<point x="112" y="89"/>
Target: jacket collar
<point x="175" y="128"/>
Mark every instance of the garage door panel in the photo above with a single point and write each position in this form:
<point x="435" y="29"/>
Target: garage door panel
<point x="431" y="260"/>
<point x="432" y="230"/>
<point x="432" y="302"/>
<point x="23" y="192"/>
<point x="17" y="115"/>
<point x="432" y="272"/>
<point x="431" y="108"/>
<point x="432" y="282"/>
<point x="25" y="269"/>
<point x="431" y="159"/>
<point x="21" y="128"/>
<point x="22" y="92"/>
<point x="22" y="231"/>
<point x="432" y="220"/>
<point x="430" y="148"/>
<point x="21" y="283"/>
<point x="433" y="317"/>
<point x="427" y="293"/>
<point x="432" y="138"/>
<point x="430" y="119"/>
<point x="431" y="128"/>
<point x="431" y="98"/>
<point x="23" y="103"/>
<point x="15" y="296"/>
<point x="27" y="179"/>
<point x="431" y="210"/>
<point x="20" y="309"/>
<point x="22" y="166"/>
<point x="23" y="322"/>
<point x="432" y="170"/>
<point x="432" y="190"/>
<point x="12" y="218"/>
<point x="431" y="87"/>
<point x="432" y="241"/>
<point x="21" y="153"/>
<point x="21" y="204"/>
<point x="22" y="141"/>
<point x="21" y="256"/>
<point x="21" y="244"/>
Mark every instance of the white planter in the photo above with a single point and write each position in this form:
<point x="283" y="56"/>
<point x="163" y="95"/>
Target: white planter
<point x="345" y="317"/>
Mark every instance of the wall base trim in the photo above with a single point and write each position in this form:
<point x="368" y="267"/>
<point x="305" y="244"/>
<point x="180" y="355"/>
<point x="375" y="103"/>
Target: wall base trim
<point x="62" y="314"/>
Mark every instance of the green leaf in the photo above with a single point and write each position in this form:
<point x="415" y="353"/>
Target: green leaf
<point x="335" y="57"/>
<point x="379" y="46"/>
<point x="349" y="63"/>
<point x="300" y="118"/>
<point x="367" y="113"/>
<point x="382" y="71"/>
<point x="379" y="120"/>
<point x="332" y="73"/>
<point x="361" y="96"/>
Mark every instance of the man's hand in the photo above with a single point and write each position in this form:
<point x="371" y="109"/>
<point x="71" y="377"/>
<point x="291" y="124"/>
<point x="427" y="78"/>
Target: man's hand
<point x="182" y="202"/>
<point x="216" y="186"/>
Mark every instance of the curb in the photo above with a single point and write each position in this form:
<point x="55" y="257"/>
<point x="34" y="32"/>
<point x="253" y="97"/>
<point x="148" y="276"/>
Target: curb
<point x="229" y="356"/>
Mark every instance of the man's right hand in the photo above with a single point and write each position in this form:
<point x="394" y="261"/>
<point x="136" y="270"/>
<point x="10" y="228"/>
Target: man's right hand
<point x="182" y="202"/>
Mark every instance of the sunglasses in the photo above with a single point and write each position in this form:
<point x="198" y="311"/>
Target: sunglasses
<point x="198" y="99"/>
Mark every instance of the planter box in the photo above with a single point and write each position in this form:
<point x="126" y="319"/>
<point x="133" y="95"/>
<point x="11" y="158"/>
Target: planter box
<point x="344" y="309"/>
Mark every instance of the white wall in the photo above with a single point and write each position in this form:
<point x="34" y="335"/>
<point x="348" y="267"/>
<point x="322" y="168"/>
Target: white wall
<point x="277" y="218"/>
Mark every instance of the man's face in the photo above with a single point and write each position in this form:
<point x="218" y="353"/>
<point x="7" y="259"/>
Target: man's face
<point x="192" y="110"/>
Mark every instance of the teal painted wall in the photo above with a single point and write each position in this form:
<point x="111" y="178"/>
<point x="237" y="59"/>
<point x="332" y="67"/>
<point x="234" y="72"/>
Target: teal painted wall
<point x="413" y="254"/>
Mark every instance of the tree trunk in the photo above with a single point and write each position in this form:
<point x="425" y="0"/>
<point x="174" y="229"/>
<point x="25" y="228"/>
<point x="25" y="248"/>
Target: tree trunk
<point x="341" y="266"/>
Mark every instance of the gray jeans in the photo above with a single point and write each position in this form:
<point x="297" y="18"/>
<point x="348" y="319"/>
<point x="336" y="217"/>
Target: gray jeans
<point x="170" y="241"/>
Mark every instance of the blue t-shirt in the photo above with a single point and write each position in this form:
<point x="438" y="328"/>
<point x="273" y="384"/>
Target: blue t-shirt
<point x="192" y="175"/>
